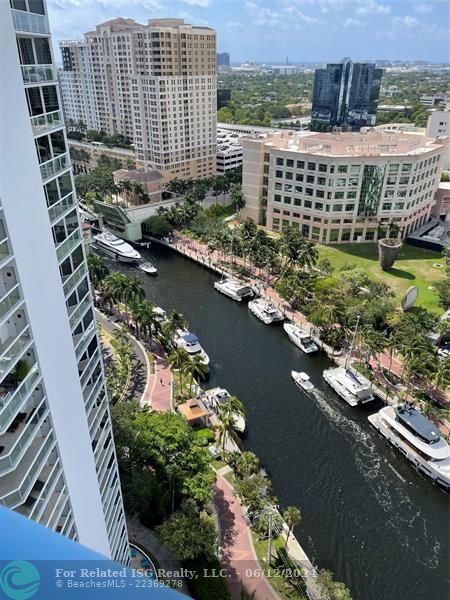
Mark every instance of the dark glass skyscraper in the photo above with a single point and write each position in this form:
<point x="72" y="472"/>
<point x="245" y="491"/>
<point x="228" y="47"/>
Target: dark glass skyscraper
<point x="346" y="94"/>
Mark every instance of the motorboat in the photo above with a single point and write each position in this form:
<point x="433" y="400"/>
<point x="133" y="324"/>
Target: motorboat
<point x="301" y="338"/>
<point x="189" y="341"/>
<point x="302" y="380"/>
<point x="415" y="436"/>
<point x="110" y="245"/>
<point x="265" y="311"/>
<point x="350" y="386"/>
<point x="148" y="267"/>
<point x="160" y="314"/>
<point x="235" y="289"/>
<point x="217" y="397"/>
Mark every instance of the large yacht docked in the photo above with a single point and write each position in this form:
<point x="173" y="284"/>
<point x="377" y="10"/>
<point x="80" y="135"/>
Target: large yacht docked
<point x="350" y="386"/>
<point x="267" y="312"/>
<point x="217" y="397"/>
<point x="235" y="289"/>
<point x="417" y="438"/>
<point x="110" y="245"/>
<point x="189" y="341"/>
<point x="301" y="338"/>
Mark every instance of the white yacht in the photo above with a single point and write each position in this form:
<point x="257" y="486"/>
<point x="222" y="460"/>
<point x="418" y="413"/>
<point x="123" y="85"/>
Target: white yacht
<point x="189" y="341"/>
<point x="148" y="267"/>
<point x="219" y="397"/>
<point x="418" y="439"/>
<point x="160" y="314"/>
<point x="302" y="380"/>
<point x="109" y="244"/>
<point x="265" y="311"/>
<point x="235" y="289"/>
<point x="352" y="387"/>
<point x="301" y="338"/>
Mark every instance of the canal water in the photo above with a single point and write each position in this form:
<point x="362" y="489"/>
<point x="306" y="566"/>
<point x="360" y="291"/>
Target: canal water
<point x="366" y="514"/>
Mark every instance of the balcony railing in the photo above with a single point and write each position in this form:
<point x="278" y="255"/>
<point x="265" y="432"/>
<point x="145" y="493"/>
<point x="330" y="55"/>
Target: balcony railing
<point x="74" y="278"/>
<point x="30" y="22"/>
<point x="10" y="300"/>
<point x="90" y="366"/>
<point x="10" y="404"/>
<point x="10" y="352"/>
<point x="38" y="74"/>
<point x="43" y="123"/>
<point x="80" y="310"/>
<point x="93" y="394"/>
<point x="79" y="341"/>
<point x="58" y="209"/>
<point x="11" y="459"/>
<point x="66" y="247"/>
<point x="4" y="250"/>
<point x="54" y="166"/>
<point x="20" y="494"/>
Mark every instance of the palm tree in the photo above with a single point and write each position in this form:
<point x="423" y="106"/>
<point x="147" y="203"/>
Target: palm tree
<point x="176" y="321"/>
<point x="196" y="369"/>
<point x="237" y="198"/>
<point x="178" y="360"/>
<point x="126" y="187"/>
<point x="247" y="464"/>
<point x="114" y="285"/>
<point x="149" y="320"/>
<point x="98" y="270"/>
<point x="133" y="293"/>
<point x="225" y="425"/>
<point x="441" y="376"/>
<point x="292" y="516"/>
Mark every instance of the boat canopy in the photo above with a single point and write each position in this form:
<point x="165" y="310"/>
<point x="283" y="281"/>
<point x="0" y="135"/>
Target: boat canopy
<point x="190" y="338"/>
<point x="416" y="422"/>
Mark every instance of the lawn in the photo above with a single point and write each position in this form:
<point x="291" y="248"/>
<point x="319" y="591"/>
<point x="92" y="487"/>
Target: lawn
<point x="414" y="266"/>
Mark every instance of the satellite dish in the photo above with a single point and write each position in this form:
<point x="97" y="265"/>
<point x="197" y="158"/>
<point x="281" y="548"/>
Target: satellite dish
<point x="410" y="297"/>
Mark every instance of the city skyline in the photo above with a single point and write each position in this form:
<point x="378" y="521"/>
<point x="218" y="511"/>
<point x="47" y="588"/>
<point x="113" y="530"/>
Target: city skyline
<point x="377" y="29"/>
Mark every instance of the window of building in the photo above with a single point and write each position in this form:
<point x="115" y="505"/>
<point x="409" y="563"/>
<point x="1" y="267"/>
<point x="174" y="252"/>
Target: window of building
<point x="355" y="169"/>
<point x="289" y="175"/>
<point x="334" y="235"/>
<point x="386" y="206"/>
<point x="391" y="180"/>
<point x="340" y="182"/>
<point x="353" y="181"/>
<point x="286" y="213"/>
<point x="346" y="234"/>
<point x="321" y="181"/>
<point x="276" y="222"/>
<point x="300" y="164"/>
<point x="320" y="194"/>
<point x="287" y="199"/>
<point x="404" y="180"/>
<point x="285" y="223"/>
<point x="277" y="198"/>
<point x="279" y="161"/>
<point x="295" y="225"/>
<point x="311" y="166"/>
<point x="289" y="162"/>
<point x="266" y="157"/>
<point x="389" y="194"/>
<point x="323" y="167"/>
<point x="299" y="176"/>
<point x="309" y="191"/>
<point x="288" y="187"/>
<point x="276" y="211"/>
<point x="338" y="195"/>
<point x="316" y="233"/>
<point x="351" y="195"/>
<point x="279" y="174"/>
<point x="349" y="207"/>
<point x="401" y="193"/>
<point x="393" y="168"/>
<point x="370" y="235"/>
<point x="298" y="189"/>
<point x="310" y="179"/>
<point x="406" y="168"/>
<point x="308" y="204"/>
<point x="337" y="207"/>
<point x="399" y="206"/>
<point x="318" y="206"/>
<point x="342" y="169"/>
<point x="297" y="202"/>
<point x="357" y="235"/>
<point x="307" y="217"/>
<point x="305" y="230"/>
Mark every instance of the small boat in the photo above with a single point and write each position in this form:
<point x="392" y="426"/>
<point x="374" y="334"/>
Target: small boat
<point x="148" y="267"/>
<point x="189" y="341"/>
<point x="352" y="387"/>
<point x="301" y="338"/>
<point x="110" y="245"/>
<point x="160" y="314"/>
<point x="302" y="380"/>
<point x="235" y="289"/>
<point x="217" y="397"/>
<point x="267" y="312"/>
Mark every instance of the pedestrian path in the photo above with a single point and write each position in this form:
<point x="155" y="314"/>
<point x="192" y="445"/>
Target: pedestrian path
<point x="236" y="553"/>
<point x="159" y="394"/>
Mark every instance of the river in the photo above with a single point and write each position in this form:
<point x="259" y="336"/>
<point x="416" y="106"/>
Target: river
<point x="366" y="514"/>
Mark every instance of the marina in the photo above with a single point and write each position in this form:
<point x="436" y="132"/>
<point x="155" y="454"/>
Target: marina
<point x="322" y="455"/>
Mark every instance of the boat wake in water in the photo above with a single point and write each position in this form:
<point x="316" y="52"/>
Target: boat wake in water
<point x="392" y="496"/>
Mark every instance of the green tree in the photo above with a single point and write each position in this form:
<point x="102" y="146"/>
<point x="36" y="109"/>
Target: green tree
<point x="253" y="490"/>
<point x="158" y="226"/>
<point x="331" y="589"/>
<point x="247" y="464"/>
<point x="292" y="516"/>
<point x="98" y="270"/>
<point x="237" y="198"/>
<point x="179" y="360"/>
<point x="225" y="426"/>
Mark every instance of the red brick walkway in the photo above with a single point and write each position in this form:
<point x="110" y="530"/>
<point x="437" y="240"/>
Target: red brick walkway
<point x="236" y="552"/>
<point x="159" y="390"/>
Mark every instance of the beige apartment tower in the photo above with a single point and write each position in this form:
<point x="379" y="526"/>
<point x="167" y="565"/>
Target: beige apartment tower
<point x="154" y="83"/>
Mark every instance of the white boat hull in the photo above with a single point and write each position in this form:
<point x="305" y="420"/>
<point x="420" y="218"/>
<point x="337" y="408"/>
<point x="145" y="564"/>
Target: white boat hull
<point x="230" y="294"/>
<point x="267" y="319"/>
<point x="424" y="466"/>
<point x="290" y="330"/>
<point x="305" y="385"/>
<point x="114" y="255"/>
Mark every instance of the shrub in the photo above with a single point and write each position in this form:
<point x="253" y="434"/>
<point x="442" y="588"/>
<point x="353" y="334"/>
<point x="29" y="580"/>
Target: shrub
<point x="207" y="588"/>
<point x="204" y="436"/>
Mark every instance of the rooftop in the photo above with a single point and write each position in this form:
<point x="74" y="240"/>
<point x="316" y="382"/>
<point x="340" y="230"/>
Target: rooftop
<point x="370" y="143"/>
<point x="193" y="409"/>
<point x="138" y="175"/>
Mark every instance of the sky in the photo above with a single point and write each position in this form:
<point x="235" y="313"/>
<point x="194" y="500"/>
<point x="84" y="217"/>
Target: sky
<point x="271" y="30"/>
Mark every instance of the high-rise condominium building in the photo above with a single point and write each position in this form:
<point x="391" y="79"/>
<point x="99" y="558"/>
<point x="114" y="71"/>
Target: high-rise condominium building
<point x="57" y="457"/>
<point x="346" y="187"/>
<point x="223" y="59"/>
<point x="154" y="83"/>
<point x="439" y="126"/>
<point x="346" y="94"/>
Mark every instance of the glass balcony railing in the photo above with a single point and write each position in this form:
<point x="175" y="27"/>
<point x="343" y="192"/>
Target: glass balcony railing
<point x="31" y="428"/>
<point x="10" y="403"/>
<point x="9" y="353"/>
<point x="11" y="299"/>
<point x="54" y="166"/>
<point x="43" y="123"/>
<point x="38" y="74"/>
<point x="4" y="250"/>
<point x="89" y="368"/>
<point x="80" y="310"/>
<point x="66" y="247"/>
<point x="30" y="22"/>
<point x="79" y="341"/>
<point x="28" y="481"/>
<point x="74" y="278"/>
<point x="58" y="209"/>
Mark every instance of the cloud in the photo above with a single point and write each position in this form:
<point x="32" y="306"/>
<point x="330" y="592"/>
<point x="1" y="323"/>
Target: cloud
<point x="407" y="21"/>
<point x="286" y="17"/>
<point x="350" y="22"/>
<point x="422" y="8"/>
<point x="371" y="7"/>
<point x="199" y="3"/>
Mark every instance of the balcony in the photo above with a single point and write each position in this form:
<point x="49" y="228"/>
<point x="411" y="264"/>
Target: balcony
<point x="59" y="208"/>
<point x="67" y="246"/>
<point x="21" y="480"/>
<point x="89" y="366"/>
<point x="12" y="348"/>
<point x="30" y="22"/>
<point x="90" y="393"/>
<point x="13" y="399"/>
<point x="54" y="166"/>
<point x="43" y="123"/>
<point x="72" y="280"/>
<point x="83" y="339"/>
<point x="10" y="300"/>
<point x="20" y="432"/>
<point x="5" y="253"/>
<point x="32" y="74"/>
<point x="81" y="308"/>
